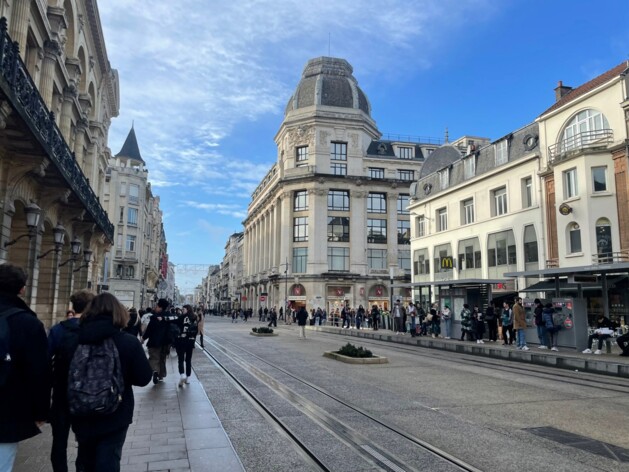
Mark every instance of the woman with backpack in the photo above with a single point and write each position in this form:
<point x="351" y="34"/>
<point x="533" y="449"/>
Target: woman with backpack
<point x="101" y="423"/>
<point x="188" y="324"/>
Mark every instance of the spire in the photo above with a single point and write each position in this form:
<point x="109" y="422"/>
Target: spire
<point x="130" y="147"/>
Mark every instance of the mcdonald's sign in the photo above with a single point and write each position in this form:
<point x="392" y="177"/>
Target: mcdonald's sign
<point x="447" y="262"/>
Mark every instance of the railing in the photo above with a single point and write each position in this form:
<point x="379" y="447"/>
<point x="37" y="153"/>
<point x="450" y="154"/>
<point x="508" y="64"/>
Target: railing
<point x="611" y="257"/>
<point x="407" y="138"/>
<point x="552" y="263"/>
<point x="580" y="141"/>
<point x="25" y="97"/>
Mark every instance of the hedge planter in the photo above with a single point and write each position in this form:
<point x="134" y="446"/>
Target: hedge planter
<point x="356" y="360"/>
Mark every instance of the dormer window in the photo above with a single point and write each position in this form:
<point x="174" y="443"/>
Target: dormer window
<point x="502" y="152"/>
<point x="469" y="166"/>
<point x="405" y="152"/>
<point x="444" y="178"/>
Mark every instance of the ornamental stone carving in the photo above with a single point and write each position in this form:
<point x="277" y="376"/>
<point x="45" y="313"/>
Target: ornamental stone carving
<point x="324" y="137"/>
<point x="353" y="141"/>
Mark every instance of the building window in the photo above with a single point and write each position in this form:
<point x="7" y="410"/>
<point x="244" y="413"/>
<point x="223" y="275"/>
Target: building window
<point x="583" y="129"/>
<point x="300" y="260"/>
<point x="130" y="272"/>
<point x="123" y="189"/>
<point x="469" y="167"/>
<point x="121" y="220"/>
<point x="376" y="231"/>
<point x="404" y="260"/>
<point x="377" y="258"/>
<point x="468" y="211"/>
<point x="301" y="154"/>
<point x="119" y="270"/>
<point x="442" y="219"/>
<point x="421" y="226"/>
<point x="530" y="245"/>
<point x="527" y="192"/>
<point x="469" y="254"/>
<point x="377" y="203"/>
<point x="338" y="229"/>
<point x="134" y="194"/>
<point x="338" y="258"/>
<point x="599" y="179"/>
<point x="570" y="183"/>
<point x="300" y="229"/>
<point x="402" y="204"/>
<point x="339" y="169"/>
<point x="132" y="216"/>
<point x="502" y="152"/>
<point x="574" y="236"/>
<point x="604" y="240"/>
<point x="500" y="201"/>
<point x="443" y="258"/>
<point x="338" y="200"/>
<point x="421" y="263"/>
<point x="501" y="249"/>
<point x="405" y="152"/>
<point x="403" y="174"/>
<point x="338" y="151"/>
<point x="119" y="241"/>
<point x="300" y="200"/>
<point x="403" y="232"/>
<point x="130" y="243"/>
<point x="444" y="178"/>
<point x="376" y="173"/>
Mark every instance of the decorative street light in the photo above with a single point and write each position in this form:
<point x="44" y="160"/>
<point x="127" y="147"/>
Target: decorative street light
<point x="285" y="290"/>
<point x="75" y="249"/>
<point x="32" y="212"/>
<point x="87" y="258"/>
<point x="58" y="235"/>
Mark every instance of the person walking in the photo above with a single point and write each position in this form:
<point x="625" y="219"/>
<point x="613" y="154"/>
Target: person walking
<point x="519" y="323"/>
<point x="201" y="325"/>
<point x="102" y="436"/>
<point x="273" y="318"/>
<point x="491" y="317"/>
<point x="539" y="323"/>
<point x="302" y="319"/>
<point x="549" y="325"/>
<point x="375" y="317"/>
<point x="25" y="387"/>
<point x="62" y="341"/>
<point x="184" y="344"/>
<point x="398" y="317"/>
<point x="507" y="324"/>
<point x="157" y="334"/>
<point x="446" y="316"/>
<point x="466" y="323"/>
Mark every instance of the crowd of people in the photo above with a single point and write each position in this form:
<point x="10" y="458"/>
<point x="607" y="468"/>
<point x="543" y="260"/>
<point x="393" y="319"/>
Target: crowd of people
<point x="80" y="375"/>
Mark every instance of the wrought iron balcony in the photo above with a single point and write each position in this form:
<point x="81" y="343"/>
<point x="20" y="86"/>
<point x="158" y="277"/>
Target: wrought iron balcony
<point x="25" y="98"/>
<point x="578" y="142"/>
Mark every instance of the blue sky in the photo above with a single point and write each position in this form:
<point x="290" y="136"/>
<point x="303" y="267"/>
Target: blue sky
<point x="206" y="82"/>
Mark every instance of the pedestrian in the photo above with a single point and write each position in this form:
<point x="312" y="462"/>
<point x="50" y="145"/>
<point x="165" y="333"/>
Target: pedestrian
<point x="398" y="317"/>
<point x="491" y="317"/>
<point x="623" y="343"/>
<point x="157" y="334"/>
<point x="375" y="317"/>
<point x="302" y="318"/>
<point x="360" y="316"/>
<point x="435" y="322"/>
<point x="25" y="372"/>
<point x="273" y="318"/>
<point x="479" y="327"/>
<point x="519" y="324"/>
<point x="539" y="323"/>
<point x="201" y="325"/>
<point x="549" y="324"/>
<point x="411" y="314"/>
<point x="101" y="436"/>
<point x="133" y="328"/>
<point x="466" y="323"/>
<point x="62" y="341"/>
<point x="507" y="324"/>
<point x="184" y="344"/>
<point x="446" y="316"/>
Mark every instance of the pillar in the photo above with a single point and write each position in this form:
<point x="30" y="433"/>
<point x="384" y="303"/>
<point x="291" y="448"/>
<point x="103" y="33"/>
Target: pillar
<point x="18" y="27"/>
<point x="52" y="51"/>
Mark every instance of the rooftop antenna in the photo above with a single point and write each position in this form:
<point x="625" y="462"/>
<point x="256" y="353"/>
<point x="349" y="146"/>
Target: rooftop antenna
<point x="447" y="136"/>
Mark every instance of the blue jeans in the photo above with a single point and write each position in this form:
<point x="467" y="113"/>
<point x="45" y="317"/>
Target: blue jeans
<point x="8" y="451"/>
<point x="542" y="335"/>
<point x="521" y="338"/>
<point x="448" y="327"/>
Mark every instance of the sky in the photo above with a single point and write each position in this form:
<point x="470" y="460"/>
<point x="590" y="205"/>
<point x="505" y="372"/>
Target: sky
<point x="205" y="83"/>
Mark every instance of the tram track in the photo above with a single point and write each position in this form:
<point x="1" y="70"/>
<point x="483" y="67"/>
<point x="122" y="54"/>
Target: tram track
<point x="369" y="451"/>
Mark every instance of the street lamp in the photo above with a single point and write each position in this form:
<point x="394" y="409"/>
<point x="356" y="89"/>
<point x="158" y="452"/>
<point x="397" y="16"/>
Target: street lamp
<point x="32" y="212"/>
<point x="285" y="290"/>
<point x="58" y="235"/>
<point x="75" y="249"/>
<point x="87" y="258"/>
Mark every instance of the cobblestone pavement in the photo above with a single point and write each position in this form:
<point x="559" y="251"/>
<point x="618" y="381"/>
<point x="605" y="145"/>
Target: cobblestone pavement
<point x="174" y="429"/>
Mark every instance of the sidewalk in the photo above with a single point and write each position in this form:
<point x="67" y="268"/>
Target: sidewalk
<point x="174" y="429"/>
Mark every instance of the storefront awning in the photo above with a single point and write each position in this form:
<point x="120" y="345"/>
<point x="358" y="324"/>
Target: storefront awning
<point x="564" y="286"/>
<point x="617" y="268"/>
<point x="452" y="283"/>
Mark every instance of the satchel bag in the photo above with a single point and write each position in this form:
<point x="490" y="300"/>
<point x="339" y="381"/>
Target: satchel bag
<point x="429" y="317"/>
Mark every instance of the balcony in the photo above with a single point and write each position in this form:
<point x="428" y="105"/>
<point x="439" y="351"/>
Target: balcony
<point x="610" y="257"/>
<point x="21" y="92"/>
<point x="563" y="150"/>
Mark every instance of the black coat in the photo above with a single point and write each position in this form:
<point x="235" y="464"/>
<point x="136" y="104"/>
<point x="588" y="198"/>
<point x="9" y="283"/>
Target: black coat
<point x="302" y="317"/>
<point x="25" y="398"/>
<point x="157" y="331"/>
<point x="135" y="371"/>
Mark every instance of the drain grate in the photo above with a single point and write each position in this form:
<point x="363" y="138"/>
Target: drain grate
<point x="583" y="443"/>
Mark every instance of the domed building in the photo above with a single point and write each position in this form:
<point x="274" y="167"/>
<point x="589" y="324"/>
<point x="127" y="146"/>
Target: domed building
<point x="328" y="224"/>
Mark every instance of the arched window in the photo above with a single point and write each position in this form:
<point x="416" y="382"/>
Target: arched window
<point x="585" y="127"/>
<point x="574" y="238"/>
<point x="531" y="256"/>
<point x="604" y="237"/>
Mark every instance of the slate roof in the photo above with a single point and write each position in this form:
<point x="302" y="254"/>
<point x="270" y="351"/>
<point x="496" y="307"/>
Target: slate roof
<point x="440" y="158"/>
<point x="328" y="81"/>
<point x="588" y="86"/>
<point x="130" y="148"/>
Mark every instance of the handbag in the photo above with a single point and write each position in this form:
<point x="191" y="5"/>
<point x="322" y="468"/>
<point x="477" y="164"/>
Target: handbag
<point x="429" y="317"/>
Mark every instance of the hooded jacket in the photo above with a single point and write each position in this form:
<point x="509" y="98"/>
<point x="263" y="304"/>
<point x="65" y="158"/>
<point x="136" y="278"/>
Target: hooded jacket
<point x="135" y="371"/>
<point x="25" y="398"/>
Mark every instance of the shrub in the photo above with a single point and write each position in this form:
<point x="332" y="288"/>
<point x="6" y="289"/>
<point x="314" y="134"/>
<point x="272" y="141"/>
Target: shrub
<point x="262" y="330"/>
<point x="350" y="350"/>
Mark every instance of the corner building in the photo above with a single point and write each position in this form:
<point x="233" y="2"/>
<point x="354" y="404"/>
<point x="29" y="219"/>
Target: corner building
<point x="329" y="223"/>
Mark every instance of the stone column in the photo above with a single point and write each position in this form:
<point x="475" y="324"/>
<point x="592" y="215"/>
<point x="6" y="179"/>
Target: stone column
<point x="392" y="229"/>
<point x="358" y="232"/>
<point x="65" y="124"/>
<point x="79" y="142"/>
<point x="317" y="230"/>
<point x="286" y="228"/>
<point x="52" y="51"/>
<point x="18" y="27"/>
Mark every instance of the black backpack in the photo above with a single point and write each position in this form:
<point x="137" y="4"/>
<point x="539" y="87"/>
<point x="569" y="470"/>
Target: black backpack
<point x="172" y="333"/>
<point x="95" y="381"/>
<point x="5" y="340"/>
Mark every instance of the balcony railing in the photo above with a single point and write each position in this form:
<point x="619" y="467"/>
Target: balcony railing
<point x="578" y="142"/>
<point x="611" y="257"/>
<point x="25" y="98"/>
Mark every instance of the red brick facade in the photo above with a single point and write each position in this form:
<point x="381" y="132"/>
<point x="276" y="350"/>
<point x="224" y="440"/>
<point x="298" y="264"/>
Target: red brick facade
<point x="622" y="195"/>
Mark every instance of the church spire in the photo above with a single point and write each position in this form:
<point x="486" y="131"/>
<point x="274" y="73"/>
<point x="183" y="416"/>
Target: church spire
<point x="130" y="148"/>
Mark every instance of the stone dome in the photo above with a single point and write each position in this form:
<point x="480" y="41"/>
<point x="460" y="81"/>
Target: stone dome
<point x="328" y="81"/>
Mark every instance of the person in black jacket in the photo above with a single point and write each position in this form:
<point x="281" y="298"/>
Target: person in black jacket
<point x="62" y="341"/>
<point x="184" y="344"/>
<point x="302" y="318"/>
<point x="25" y="395"/>
<point x="101" y="437"/>
<point x="158" y="342"/>
<point x="133" y="327"/>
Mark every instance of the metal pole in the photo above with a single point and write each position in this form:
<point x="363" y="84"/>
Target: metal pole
<point x="286" y="292"/>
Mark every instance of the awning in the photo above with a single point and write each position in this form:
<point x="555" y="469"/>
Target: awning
<point x="564" y="286"/>
<point x="616" y="268"/>
<point x="453" y="283"/>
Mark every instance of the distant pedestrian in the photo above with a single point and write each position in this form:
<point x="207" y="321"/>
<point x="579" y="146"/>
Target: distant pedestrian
<point x="184" y="344"/>
<point x="135" y="323"/>
<point x="549" y="324"/>
<point x="542" y="335"/>
<point x="398" y="317"/>
<point x="519" y="323"/>
<point x="479" y="325"/>
<point x="446" y="317"/>
<point x="491" y="317"/>
<point x="375" y="317"/>
<point x="157" y="334"/>
<point x="25" y="370"/>
<point x="302" y="319"/>
<point x="273" y="318"/>
<point x="201" y="318"/>
<point x="507" y="324"/>
<point x="466" y="323"/>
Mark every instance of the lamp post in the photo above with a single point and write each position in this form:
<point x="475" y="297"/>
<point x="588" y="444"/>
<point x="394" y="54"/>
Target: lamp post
<point x="286" y="291"/>
<point x="32" y="213"/>
<point x="75" y="249"/>
<point x="58" y="235"/>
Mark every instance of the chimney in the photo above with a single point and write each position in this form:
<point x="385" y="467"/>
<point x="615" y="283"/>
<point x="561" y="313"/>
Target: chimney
<point x="561" y="90"/>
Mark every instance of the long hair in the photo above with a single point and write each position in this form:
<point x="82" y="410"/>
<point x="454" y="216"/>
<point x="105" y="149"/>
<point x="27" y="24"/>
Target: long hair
<point x="190" y="313"/>
<point x="106" y="304"/>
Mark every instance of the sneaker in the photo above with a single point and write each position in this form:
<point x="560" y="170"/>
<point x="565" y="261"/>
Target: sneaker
<point x="525" y="348"/>
<point x="182" y="379"/>
<point x="598" y="352"/>
<point x="187" y="380"/>
<point x="155" y="378"/>
<point x="587" y="351"/>
<point x="541" y="346"/>
<point x="554" y="349"/>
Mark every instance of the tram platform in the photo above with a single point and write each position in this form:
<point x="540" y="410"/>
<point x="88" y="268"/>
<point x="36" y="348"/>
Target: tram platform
<point x="566" y="358"/>
<point x="174" y="429"/>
